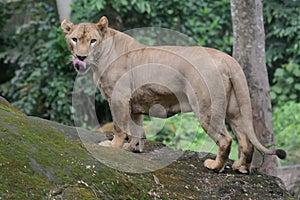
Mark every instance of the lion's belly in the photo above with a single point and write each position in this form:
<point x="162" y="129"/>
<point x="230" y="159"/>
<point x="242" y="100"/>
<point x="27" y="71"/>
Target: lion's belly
<point x="158" y="101"/>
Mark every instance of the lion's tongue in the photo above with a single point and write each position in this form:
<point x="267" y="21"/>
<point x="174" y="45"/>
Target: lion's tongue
<point x="78" y="64"/>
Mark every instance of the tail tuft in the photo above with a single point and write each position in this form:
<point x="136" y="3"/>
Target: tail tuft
<point x="280" y="153"/>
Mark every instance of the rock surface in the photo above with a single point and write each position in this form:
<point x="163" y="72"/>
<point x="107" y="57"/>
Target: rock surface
<point x="40" y="159"/>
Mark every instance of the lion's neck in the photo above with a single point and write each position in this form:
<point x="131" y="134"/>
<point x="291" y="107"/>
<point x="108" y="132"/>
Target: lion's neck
<point x="115" y="44"/>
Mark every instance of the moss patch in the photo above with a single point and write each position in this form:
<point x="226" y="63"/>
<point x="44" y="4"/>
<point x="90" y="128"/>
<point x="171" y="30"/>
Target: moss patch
<point x="5" y="105"/>
<point x="36" y="158"/>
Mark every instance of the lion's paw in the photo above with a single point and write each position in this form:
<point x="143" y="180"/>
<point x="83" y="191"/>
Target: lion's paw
<point x="213" y="165"/>
<point x="237" y="166"/>
<point x="106" y="143"/>
<point x="135" y="145"/>
<point x="127" y="147"/>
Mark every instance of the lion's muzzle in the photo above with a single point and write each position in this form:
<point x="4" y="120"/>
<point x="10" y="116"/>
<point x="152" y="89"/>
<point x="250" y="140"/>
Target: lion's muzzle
<point x="79" y="65"/>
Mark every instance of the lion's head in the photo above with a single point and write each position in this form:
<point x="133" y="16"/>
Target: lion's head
<point x="83" y="39"/>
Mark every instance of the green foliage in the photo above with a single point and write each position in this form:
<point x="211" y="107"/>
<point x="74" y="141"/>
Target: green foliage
<point x="286" y="118"/>
<point x="282" y="27"/>
<point x="182" y="128"/>
<point x="282" y="31"/>
<point x="7" y="10"/>
<point x="38" y="74"/>
<point x="43" y="78"/>
<point x="122" y="14"/>
<point x="34" y="53"/>
<point x="287" y="83"/>
<point x="200" y="20"/>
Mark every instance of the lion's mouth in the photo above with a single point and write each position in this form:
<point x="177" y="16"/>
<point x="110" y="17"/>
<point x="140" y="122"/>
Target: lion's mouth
<point x="79" y="65"/>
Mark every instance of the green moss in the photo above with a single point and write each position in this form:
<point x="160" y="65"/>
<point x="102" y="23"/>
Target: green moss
<point x="35" y="157"/>
<point x="5" y="105"/>
<point x="79" y="193"/>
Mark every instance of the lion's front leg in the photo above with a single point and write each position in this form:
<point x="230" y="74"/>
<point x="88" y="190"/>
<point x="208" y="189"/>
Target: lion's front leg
<point x="118" y="139"/>
<point x="120" y="114"/>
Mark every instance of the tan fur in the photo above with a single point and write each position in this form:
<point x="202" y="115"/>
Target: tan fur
<point x="165" y="80"/>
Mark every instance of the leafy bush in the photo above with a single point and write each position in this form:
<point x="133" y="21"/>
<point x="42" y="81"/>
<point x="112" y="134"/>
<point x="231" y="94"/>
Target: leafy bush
<point x="200" y="20"/>
<point x="43" y="78"/>
<point x="35" y="54"/>
<point x="37" y="70"/>
<point x="282" y="27"/>
<point x="286" y="119"/>
<point x="287" y="83"/>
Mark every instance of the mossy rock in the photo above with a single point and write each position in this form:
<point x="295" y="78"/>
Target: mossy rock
<point x="40" y="159"/>
<point x="5" y="105"/>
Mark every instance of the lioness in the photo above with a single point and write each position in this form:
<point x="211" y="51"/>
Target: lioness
<point x="163" y="81"/>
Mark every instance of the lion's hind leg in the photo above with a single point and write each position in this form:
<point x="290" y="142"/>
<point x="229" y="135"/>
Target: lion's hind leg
<point x="223" y="140"/>
<point x="243" y="164"/>
<point x="137" y="138"/>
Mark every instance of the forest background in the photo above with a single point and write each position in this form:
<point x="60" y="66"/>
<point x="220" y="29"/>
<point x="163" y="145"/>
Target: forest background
<point x="37" y="75"/>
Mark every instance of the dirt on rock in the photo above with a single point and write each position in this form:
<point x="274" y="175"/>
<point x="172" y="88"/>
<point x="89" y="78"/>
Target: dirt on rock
<point x="187" y="178"/>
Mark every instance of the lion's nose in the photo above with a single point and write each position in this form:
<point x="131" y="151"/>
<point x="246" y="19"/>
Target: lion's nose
<point x="81" y="57"/>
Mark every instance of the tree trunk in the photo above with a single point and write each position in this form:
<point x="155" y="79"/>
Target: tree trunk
<point x="64" y="9"/>
<point x="249" y="51"/>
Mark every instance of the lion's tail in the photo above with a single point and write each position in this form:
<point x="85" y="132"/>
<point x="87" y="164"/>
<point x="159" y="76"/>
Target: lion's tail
<point x="239" y="83"/>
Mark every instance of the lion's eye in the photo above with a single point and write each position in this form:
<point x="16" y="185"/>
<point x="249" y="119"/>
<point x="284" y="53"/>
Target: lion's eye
<point x="74" y="39"/>
<point x="93" y="41"/>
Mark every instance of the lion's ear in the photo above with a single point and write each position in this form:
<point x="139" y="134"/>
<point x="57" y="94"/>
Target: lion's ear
<point x="66" y="26"/>
<point x="102" y="24"/>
